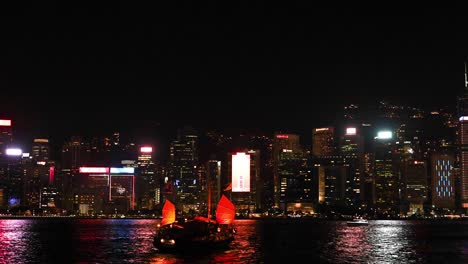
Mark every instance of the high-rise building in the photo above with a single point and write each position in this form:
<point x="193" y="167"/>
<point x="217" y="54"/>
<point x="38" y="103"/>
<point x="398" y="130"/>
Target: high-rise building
<point x="415" y="187"/>
<point x="40" y="149"/>
<point x="323" y="141"/>
<point x="213" y="182"/>
<point x="352" y="143"/>
<point x="280" y="142"/>
<point x="146" y="183"/>
<point x="91" y="190"/>
<point x="386" y="175"/>
<point x="296" y="186"/>
<point x="75" y="153"/>
<point x="37" y="175"/>
<point x="463" y="141"/>
<point x="183" y="162"/>
<point x="352" y="150"/>
<point x="244" y="168"/>
<point x="463" y="134"/>
<point x="11" y="178"/>
<point x="443" y="180"/>
<point x="6" y="134"/>
<point x="122" y="189"/>
<point x="337" y="182"/>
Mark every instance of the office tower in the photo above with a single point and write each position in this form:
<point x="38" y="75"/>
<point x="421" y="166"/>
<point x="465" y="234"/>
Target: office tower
<point x="122" y="189"/>
<point x="244" y="168"/>
<point x="37" y="175"/>
<point x="352" y="143"/>
<point x="323" y="141"/>
<point x="75" y="153"/>
<point x="336" y="182"/>
<point x="40" y="149"/>
<point x="296" y="186"/>
<point x="6" y="135"/>
<point x="332" y="184"/>
<point x="11" y="178"/>
<point x="352" y="149"/>
<point x="213" y="182"/>
<point x="91" y="190"/>
<point x="463" y="144"/>
<point x="183" y="162"/>
<point x="414" y="189"/>
<point x="443" y="180"/>
<point x="146" y="182"/>
<point x="280" y="142"/>
<point x="386" y="175"/>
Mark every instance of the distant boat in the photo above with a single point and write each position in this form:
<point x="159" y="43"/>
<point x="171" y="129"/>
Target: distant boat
<point x="358" y="222"/>
<point x="200" y="233"/>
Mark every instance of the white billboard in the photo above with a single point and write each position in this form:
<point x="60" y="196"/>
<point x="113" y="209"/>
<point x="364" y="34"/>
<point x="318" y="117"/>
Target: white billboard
<point x="241" y="172"/>
<point x="384" y="134"/>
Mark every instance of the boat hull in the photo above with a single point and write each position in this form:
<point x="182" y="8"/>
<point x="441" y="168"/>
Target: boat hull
<point x="193" y="236"/>
<point x="182" y="246"/>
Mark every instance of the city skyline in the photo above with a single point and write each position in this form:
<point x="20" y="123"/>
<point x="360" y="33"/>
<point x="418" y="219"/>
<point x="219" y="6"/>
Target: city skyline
<point x="151" y="131"/>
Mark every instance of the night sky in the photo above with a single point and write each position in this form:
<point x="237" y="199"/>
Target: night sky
<point x="253" y="67"/>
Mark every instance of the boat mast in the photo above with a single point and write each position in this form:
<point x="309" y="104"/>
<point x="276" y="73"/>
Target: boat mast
<point x="209" y="197"/>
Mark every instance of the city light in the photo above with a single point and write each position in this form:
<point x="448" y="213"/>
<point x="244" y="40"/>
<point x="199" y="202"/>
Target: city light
<point x="321" y="129"/>
<point x="4" y="122"/>
<point x="41" y="163"/>
<point x="14" y="152"/>
<point x="51" y="174"/>
<point x="350" y="131"/>
<point x="41" y="140"/>
<point x="241" y="172"/>
<point x="122" y="170"/>
<point x="146" y="149"/>
<point x="384" y="134"/>
<point x="282" y="136"/>
<point x="463" y="118"/>
<point x="94" y="170"/>
<point x="25" y="155"/>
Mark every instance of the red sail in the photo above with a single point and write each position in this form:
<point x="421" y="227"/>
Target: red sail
<point x="168" y="213"/>
<point x="225" y="211"/>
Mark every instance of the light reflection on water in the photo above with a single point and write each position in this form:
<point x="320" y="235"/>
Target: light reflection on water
<point x="257" y="241"/>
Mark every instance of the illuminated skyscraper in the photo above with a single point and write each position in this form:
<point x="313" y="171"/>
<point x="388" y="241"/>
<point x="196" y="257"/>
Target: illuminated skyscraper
<point x="183" y="173"/>
<point x="352" y="143"/>
<point x="443" y="180"/>
<point x="40" y="149"/>
<point x="75" y="153"/>
<point x="296" y="186"/>
<point x="463" y="141"/>
<point x="244" y="169"/>
<point x="146" y="183"/>
<point x="213" y="182"/>
<point x="323" y="141"/>
<point x="6" y="135"/>
<point x="280" y="142"/>
<point x="414" y="189"/>
<point x="386" y="175"/>
<point x="352" y="150"/>
<point x="11" y="178"/>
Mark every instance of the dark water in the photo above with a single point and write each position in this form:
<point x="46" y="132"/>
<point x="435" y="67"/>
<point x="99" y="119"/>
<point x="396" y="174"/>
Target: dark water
<point x="257" y="241"/>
